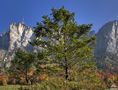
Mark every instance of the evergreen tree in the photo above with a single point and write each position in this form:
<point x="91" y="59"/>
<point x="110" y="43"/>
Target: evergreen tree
<point x="22" y="63"/>
<point x="66" y="45"/>
<point x="63" y="39"/>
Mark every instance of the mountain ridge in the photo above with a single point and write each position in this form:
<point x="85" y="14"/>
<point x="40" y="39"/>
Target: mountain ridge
<point x="18" y="36"/>
<point x="107" y="45"/>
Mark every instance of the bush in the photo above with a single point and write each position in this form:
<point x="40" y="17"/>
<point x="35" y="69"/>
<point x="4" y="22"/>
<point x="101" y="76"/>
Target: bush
<point x="3" y="80"/>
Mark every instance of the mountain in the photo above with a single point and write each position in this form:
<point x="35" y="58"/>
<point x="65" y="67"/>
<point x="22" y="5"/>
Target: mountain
<point x="106" y="51"/>
<point x="18" y="36"/>
<point x="91" y="33"/>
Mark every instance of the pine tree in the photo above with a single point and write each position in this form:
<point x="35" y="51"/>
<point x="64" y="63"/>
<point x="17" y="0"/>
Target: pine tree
<point x="63" y="39"/>
<point x="22" y="63"/>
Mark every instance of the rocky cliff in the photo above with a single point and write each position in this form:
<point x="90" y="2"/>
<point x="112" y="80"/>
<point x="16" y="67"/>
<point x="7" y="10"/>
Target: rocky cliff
<point x="18" y="36"/>
<point x="106" y="51"/>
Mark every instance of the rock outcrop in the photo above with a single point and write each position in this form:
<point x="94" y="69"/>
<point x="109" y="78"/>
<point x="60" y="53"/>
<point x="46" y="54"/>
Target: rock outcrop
<point x="18" y="36"/>
<point x="106" y="51"/>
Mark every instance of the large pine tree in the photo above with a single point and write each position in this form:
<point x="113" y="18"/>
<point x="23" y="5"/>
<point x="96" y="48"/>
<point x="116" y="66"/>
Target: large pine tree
<point x="63" y="39"/>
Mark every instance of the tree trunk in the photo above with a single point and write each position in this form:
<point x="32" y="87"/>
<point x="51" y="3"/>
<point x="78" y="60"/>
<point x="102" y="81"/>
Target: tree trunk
<point x="26" y="76"/>
<point x="66" y="72"/>
<point x="66" y="61"/>
<point x="66" y="67"/>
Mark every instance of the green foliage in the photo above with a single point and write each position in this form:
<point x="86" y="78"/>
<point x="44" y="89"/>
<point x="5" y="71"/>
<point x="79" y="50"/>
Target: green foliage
<point x="23" y="59"/>
<point x="66" y="45"/>
<point x="9" y="87"/>
<point x="21" y="64"/>
<point x="59" y="83"/>
<point x="65" y="57"/>
<point x="63" y="41"/>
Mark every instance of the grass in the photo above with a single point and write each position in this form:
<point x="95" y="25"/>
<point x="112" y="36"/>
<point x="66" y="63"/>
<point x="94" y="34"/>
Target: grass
<point x="10" y="87"/>
<point x="18" y="87"/>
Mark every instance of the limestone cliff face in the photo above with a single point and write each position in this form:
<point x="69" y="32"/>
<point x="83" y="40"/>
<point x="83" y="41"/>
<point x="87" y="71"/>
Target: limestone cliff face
<point x="18" y="36"/>
<point x="106" y="50"/>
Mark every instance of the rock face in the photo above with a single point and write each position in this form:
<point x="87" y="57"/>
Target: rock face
<point x="106" y="51"/>
<point x="18" y="36"/>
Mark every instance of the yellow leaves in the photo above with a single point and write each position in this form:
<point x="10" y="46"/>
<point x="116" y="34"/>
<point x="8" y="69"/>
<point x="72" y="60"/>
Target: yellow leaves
<point x="4" y="79"/>
<point x="43" y="77"/>
<point x="31" y="72"/>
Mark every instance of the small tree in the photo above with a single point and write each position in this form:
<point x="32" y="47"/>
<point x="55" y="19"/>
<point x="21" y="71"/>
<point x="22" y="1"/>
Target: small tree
<point x="22" y="63"/>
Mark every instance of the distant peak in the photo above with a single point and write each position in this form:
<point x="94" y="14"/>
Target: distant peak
<point x="115" y="21"/>
<point x="19" y="24"/>
<point x="14" y="23"/>
<point x="0" y="34"/>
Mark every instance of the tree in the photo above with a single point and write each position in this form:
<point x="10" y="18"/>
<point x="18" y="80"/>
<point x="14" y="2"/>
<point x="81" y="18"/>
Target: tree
<point x="22" y="63"/>
<point x="63" y="39"/>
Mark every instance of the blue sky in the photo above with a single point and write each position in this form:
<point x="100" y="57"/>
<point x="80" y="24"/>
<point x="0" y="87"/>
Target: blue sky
<point x="96" y="12"/>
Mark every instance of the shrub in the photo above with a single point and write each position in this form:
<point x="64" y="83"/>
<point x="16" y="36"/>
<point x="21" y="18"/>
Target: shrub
<point x="3" y="80"/>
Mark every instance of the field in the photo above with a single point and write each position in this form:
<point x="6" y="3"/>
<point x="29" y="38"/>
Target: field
<point x="19" y="87"/>
<point x="10" y="87"/>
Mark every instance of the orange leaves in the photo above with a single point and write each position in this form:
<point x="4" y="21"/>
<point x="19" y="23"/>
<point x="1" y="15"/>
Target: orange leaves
<point x="3" y="79"/>
<point x="43" y="77"/>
